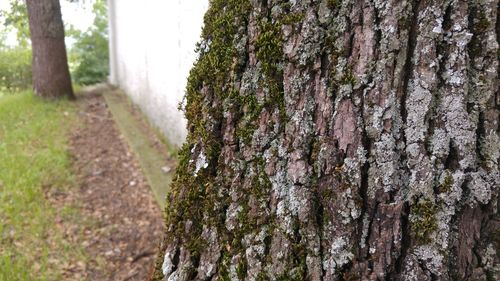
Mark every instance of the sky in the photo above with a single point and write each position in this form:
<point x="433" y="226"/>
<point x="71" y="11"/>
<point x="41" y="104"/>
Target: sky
<point x="77" y="14"/>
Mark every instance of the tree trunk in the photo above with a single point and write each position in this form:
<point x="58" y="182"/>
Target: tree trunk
<point x="339" y="140"/>
<point x="51" y="76"/>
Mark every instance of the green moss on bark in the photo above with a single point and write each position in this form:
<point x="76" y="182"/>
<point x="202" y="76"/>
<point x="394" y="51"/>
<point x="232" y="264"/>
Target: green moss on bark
<point x="207" y="85"/>
<point x="423" y="220"/>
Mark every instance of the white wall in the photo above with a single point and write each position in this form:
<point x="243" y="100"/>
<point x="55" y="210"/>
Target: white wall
<point x="152" y="46"/>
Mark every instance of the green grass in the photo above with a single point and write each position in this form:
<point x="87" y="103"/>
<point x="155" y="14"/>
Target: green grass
<point x="33" y="159"/>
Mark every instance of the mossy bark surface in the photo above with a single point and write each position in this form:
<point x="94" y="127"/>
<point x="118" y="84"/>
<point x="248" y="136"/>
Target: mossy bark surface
<point x="339" y="140"/>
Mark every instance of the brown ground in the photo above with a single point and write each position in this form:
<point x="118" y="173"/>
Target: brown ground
<point x="126" y="227"/>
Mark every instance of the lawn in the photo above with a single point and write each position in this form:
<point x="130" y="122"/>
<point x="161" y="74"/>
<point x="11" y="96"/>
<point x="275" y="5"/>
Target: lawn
<point x="34" y="160"/>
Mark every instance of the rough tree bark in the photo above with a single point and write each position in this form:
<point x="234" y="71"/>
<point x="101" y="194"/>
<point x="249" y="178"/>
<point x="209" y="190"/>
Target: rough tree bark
<point x="51" y="76"/>
<point x="340" y="140"/>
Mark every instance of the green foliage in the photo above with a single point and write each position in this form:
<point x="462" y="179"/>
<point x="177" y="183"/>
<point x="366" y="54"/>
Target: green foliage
<point x="15" y="61"/>
<point x="89" y="57"/>
<point x="15" y="69"/>
<point x="34" y="159"/>
<point x="17" y="18"/>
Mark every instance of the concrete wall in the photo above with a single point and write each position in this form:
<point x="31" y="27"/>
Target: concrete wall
<point x="152" y="46"/>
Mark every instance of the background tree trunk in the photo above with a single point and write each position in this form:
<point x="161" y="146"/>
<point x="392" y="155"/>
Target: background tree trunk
<point x="51" y="76"/>
<point x="340" y="140"/>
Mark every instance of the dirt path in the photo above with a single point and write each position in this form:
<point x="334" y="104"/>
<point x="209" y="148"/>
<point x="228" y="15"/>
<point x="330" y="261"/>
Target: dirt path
<point x="126" y="222"/>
